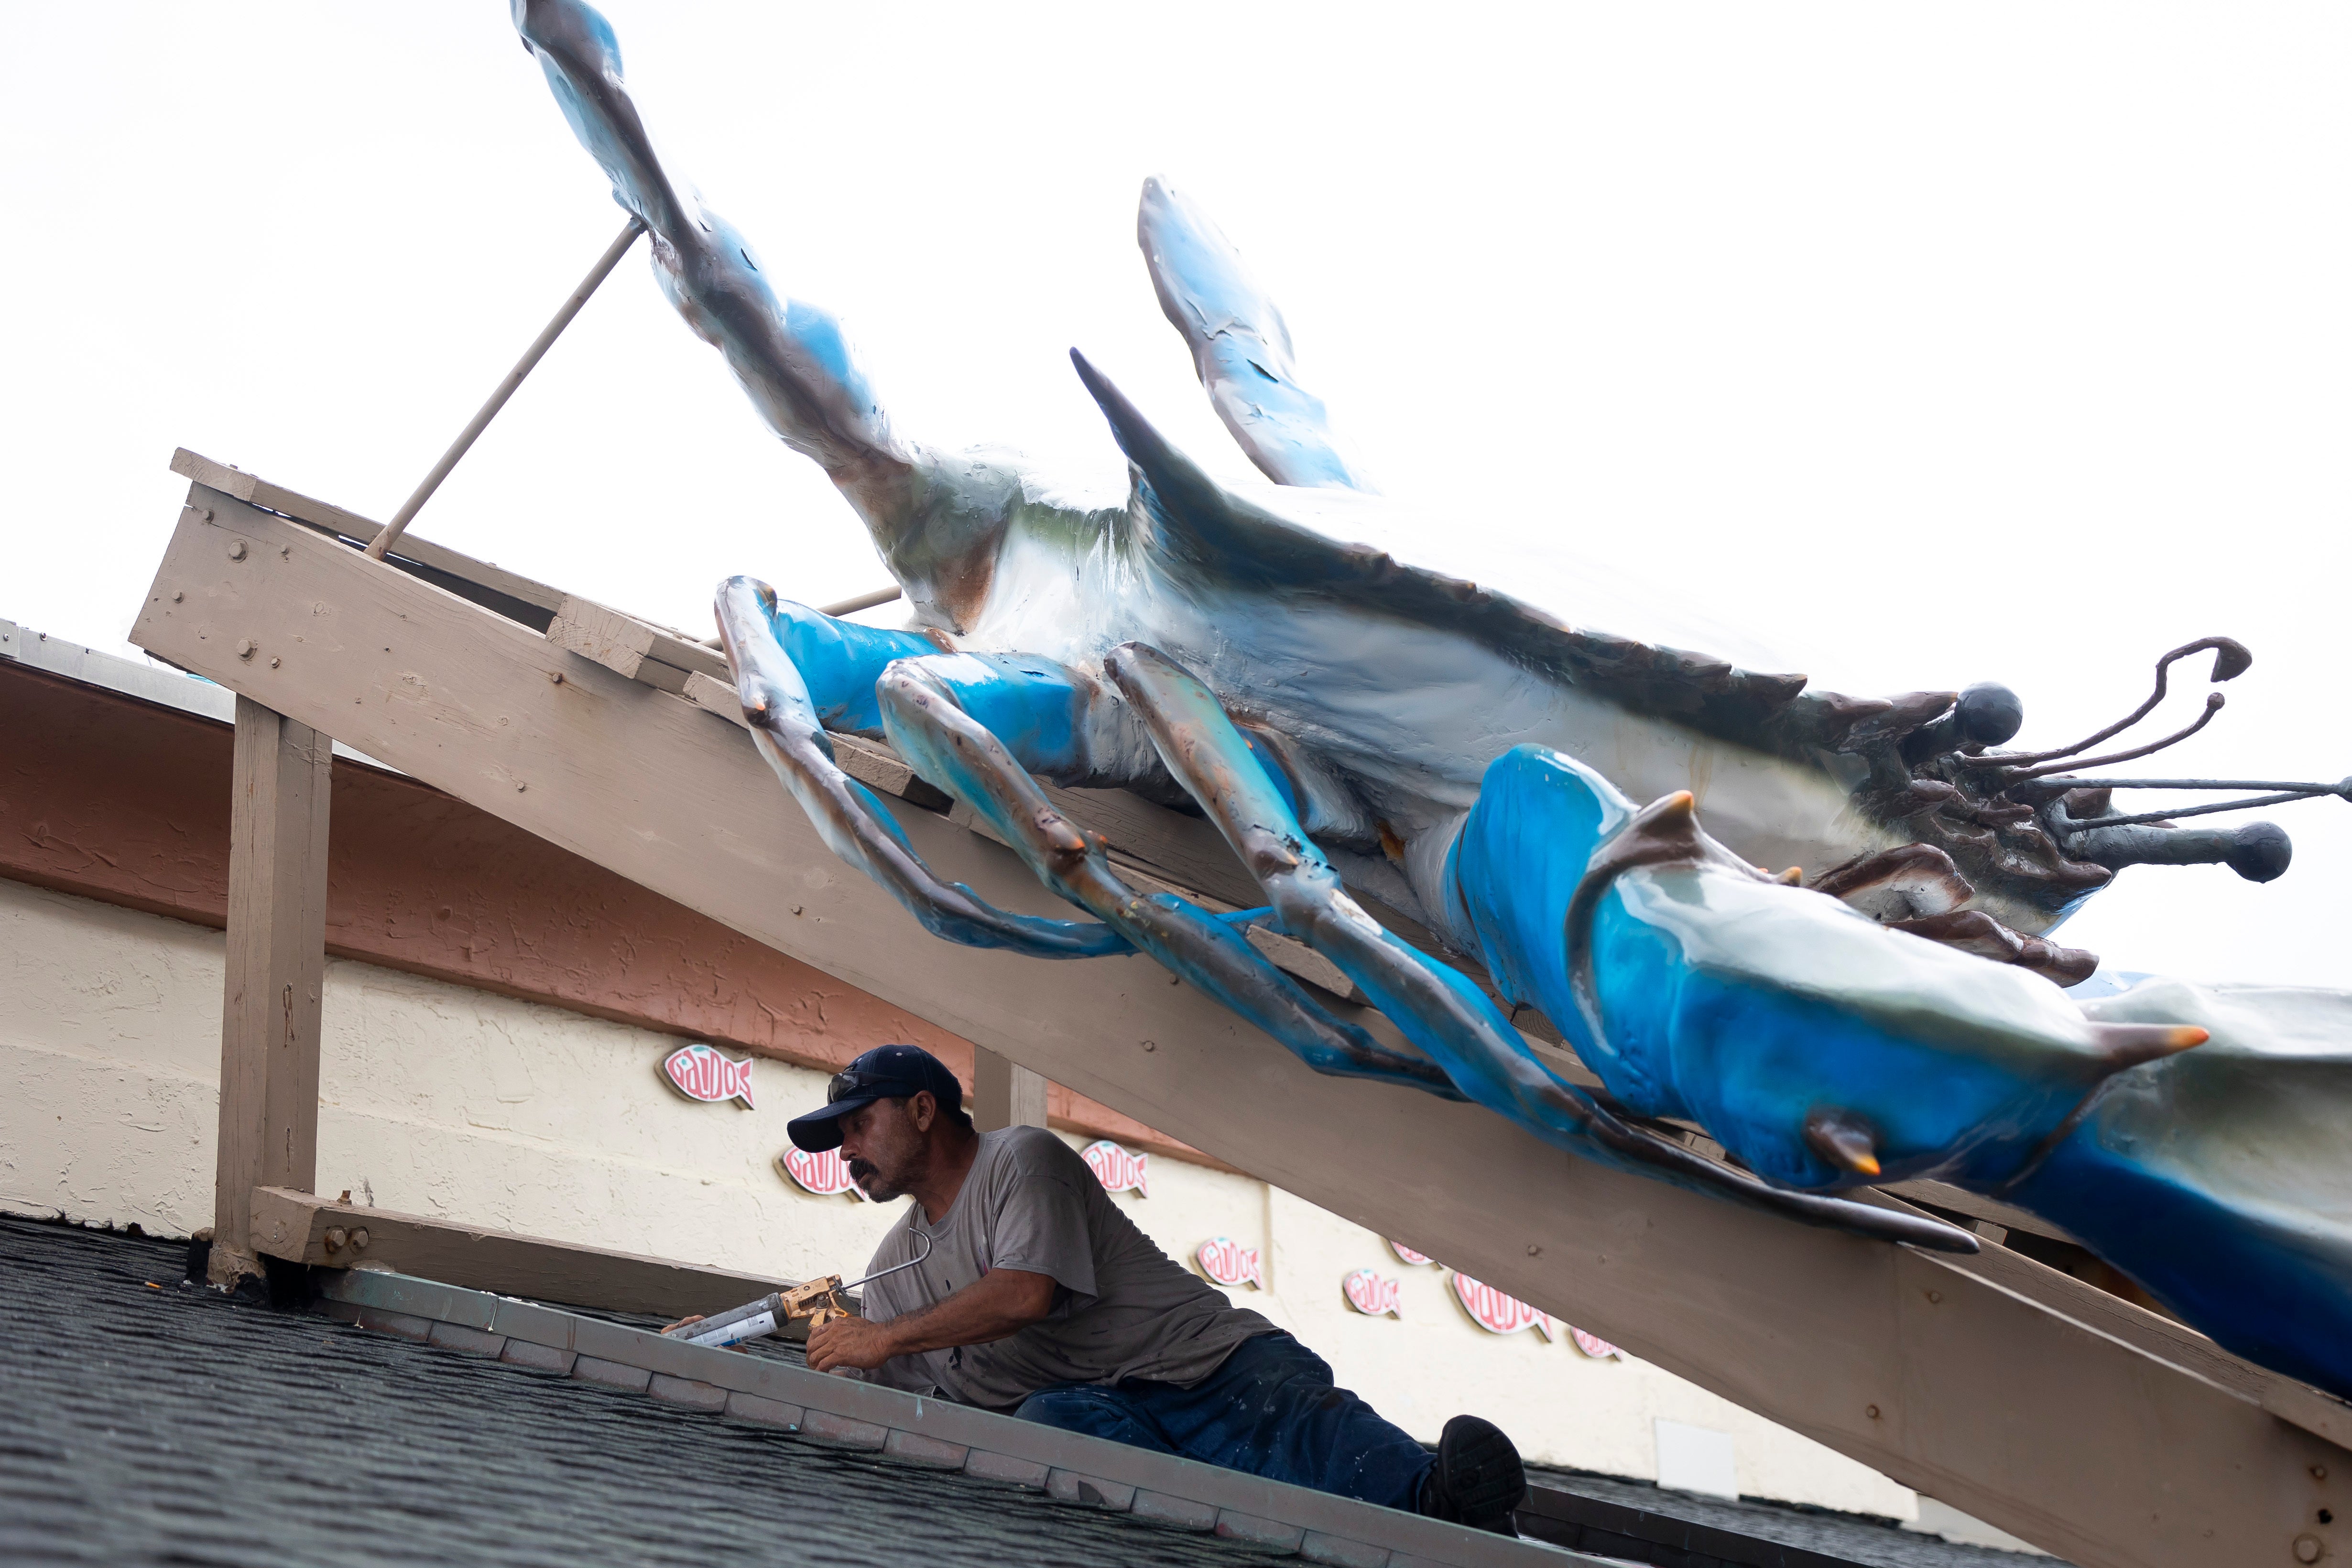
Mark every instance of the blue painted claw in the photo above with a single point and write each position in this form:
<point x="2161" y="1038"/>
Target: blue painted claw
<point x="2220" y="1180"/>
<point x="1818" y="1047"/>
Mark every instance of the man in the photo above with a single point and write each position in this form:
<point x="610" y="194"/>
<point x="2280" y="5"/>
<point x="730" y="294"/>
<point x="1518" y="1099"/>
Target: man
<point x="1040" y="1298"/>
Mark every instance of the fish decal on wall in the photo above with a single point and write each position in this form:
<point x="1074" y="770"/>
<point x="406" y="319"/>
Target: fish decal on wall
<point x="1227" y="1262"/>
<point x="699" y="1072"/>
<point x="1118" y="1169"/>
<point x="1373" y="1294"/>
<point x="1500" y="1314"/>
<point x="824" y="1174"/>
<point x="1594" y="1346"/>
<point x="1407" y="1254"/>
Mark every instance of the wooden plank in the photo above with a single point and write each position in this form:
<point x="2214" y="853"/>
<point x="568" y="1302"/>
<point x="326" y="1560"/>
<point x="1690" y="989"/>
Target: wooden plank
<point x="622" y="643"/>
<point x="2030" y="1417"/>
<point x="336" y="519"/>
<point x="302" y="1228"/>
<point x="1005" y="1093"/>
<point x="1976" y="1206"/>
<point x="280" y="791"/>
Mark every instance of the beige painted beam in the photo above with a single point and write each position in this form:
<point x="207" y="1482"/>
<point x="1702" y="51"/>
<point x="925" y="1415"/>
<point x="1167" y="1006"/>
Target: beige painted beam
<point x="261" y="493"/>
<point x="302" y="1228"/>
<point x="1997" y="1401"/>
<point x="627" y="645"/>
<point x="276" y="968"/>
<point x="1005" y="1093"/>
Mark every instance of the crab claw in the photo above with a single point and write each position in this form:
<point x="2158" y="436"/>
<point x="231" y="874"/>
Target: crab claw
<point x="1798" y="1031"/>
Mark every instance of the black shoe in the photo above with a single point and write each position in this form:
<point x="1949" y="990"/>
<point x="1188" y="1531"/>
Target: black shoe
<point x="1477" y="1480"/>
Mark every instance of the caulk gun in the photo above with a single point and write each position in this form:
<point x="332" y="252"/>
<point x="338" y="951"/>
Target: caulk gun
<point x="821" y="1301"/>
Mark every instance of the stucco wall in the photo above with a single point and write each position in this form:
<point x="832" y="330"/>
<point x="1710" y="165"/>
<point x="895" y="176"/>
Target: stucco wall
<point x="440" y="1099"/>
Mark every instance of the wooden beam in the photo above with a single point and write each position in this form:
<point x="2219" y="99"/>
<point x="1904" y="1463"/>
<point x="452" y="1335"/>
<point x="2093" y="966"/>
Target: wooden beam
<point x="2022" y="1412"/>
<point x="1005" y="1093"/>
<point x="620" y="642"/>
<point x="302" y="1227"/>
<point x="280" y="791"/>
<point x="351" y="525"/>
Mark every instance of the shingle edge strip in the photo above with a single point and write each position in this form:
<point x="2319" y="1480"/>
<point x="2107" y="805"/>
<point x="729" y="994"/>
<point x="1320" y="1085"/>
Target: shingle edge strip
<point x="842" y="1412"/>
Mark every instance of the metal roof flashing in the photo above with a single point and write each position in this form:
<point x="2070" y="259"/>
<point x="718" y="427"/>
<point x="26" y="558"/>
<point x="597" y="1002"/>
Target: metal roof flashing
<point x="842" y="1413"/>
<point x="153" y="683"/>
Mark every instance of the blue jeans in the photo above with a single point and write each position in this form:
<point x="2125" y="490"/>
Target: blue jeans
<point x="1270" y="1409"/>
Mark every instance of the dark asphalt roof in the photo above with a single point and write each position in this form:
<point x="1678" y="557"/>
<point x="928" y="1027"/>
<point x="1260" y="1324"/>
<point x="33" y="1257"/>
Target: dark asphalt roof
<point x="176" y="1424"/>
<point x="1854" y="1538"/>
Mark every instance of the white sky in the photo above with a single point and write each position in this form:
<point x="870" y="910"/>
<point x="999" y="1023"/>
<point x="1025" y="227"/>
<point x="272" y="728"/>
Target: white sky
<point x="1956" y="343"/>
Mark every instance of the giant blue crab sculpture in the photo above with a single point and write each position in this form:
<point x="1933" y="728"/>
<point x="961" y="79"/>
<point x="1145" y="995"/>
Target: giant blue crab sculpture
<point x="1348" y="722"/>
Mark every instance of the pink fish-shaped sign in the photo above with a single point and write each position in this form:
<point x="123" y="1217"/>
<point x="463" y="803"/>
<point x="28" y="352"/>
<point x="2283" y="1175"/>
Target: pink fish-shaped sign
<point x="825" y="1173"/>
<point x="1118" y="1169"/>
<point x="1228" y="1262"/>
<point x="1407" y="1254"/>
<point x="1593" y="1345"/>
<point x="699" y="1072"/>
<point x="1372" y="1294"/>
<point x="1500" y="1314"/>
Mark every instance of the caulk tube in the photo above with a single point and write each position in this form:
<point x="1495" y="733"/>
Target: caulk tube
<point x="753" y="1320"/>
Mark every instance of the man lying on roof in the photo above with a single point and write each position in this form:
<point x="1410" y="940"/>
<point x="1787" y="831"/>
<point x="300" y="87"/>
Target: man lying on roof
<point x="1040" y="1297"/>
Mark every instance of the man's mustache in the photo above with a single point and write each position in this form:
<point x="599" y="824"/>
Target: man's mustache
<point x="860" y="1170"/>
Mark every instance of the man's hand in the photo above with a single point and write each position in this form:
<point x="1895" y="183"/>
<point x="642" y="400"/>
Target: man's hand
<point x="852" y="1343"/>
<point x="1000" y="1302"/>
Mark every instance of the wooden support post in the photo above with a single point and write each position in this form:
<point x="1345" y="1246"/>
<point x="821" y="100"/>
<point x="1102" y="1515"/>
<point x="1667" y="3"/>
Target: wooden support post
<point x="277" y="967"/>
<point x="1005" y="1093"/>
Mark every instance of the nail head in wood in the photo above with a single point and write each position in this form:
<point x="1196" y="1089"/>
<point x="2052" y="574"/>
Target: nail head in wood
<point x="236" y="547"/>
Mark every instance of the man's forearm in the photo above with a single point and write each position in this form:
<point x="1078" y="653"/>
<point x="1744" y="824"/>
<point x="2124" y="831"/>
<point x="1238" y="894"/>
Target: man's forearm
<point x="999" y="1303"/>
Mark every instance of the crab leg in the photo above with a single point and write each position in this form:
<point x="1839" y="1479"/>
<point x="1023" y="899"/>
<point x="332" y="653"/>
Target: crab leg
<point x="856" y="824"/>
<point x="925" y="717"/>
<point x="1240" y="344"/>
<point x="934" y="522"/>
<point x="789" y="356"/>
<point x="1438" y="1009"/>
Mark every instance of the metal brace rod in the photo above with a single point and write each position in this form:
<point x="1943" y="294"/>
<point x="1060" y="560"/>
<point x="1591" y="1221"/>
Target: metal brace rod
<point x="863" y="602"/>
<point x="597" y="274"/>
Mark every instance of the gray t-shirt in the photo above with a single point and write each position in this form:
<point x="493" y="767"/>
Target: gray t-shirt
<point x="1124" y="1309"/>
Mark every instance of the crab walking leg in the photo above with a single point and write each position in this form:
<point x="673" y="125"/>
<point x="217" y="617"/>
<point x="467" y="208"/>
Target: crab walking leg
<point x="1437" y="1008"/>
<point x="1240" y="344"/>
<point x="926" y="719"/>
<point x="856" y="826"/>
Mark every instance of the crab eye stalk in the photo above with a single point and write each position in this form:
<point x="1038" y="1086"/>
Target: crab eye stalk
<point x="1988" y="714"/>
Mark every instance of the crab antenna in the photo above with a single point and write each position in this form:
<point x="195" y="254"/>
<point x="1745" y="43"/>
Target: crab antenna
<point x="2213" y="701"/>
<point x="2231" y="661"/>
<point x="2315" y="792"/>
<point x="2341" y="786"/>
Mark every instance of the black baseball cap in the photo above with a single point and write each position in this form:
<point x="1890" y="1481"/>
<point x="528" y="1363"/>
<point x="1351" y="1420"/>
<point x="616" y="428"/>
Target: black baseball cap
<point x="886" y="1072"/>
